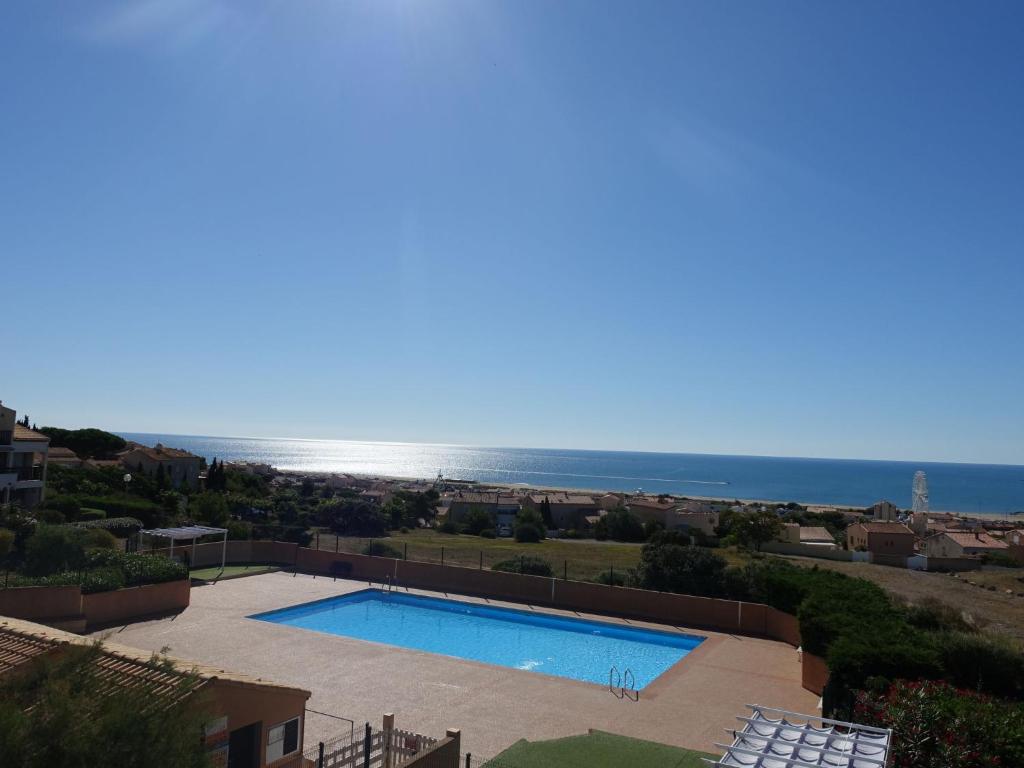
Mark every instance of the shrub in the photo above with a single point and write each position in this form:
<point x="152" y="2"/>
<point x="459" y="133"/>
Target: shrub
<point x="381" y="549"/>
<point x="102" y="580"/>
<point x="85" y="514"/>
<point x="981" y="662"/>
<point x="529" y="526"/>
<point x="122" y="527"/>
<point x="529" y="564"/>
<point x="97" y="538"/>
<point x="488" y="533"/>
<point x="448" y="526"/>
<point x="151" y="513"/>
<point x="623" y="525"/>
<point x="54" y="548"/>
<point x="669" y="564"/>
<point x="937" y="726"/>
<point x="477" y="519"/>
<point x="614" y="578"/>
<point x="68" y="505"/>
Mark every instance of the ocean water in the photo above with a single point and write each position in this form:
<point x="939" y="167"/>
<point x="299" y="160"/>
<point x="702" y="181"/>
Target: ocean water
<point x="967" y="488"/>
<point x="553" y="645"/>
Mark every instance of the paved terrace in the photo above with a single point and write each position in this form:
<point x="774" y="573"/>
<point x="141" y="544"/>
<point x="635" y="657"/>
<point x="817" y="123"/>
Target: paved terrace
<point x="688" y="706"/>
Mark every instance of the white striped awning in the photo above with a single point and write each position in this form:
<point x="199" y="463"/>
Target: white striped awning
<point x="777" y="738"/>
<point x="184" y="533"/>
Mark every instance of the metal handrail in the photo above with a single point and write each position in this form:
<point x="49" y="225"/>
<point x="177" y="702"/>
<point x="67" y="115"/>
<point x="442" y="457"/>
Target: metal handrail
<point x="629" y="685"/>
<point x="614" y="671"/>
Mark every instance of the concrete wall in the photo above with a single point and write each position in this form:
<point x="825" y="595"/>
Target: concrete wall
<point x="814" y="673"/>
<point x="41" y="603"/>
<point x="444" y="754"/>
<point x="952" y="564"/>
<point x="807" y="550"/>
<point x="67" y="608"/>
<point x="122" y="605"/>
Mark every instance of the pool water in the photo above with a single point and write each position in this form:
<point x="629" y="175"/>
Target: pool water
<point x="565" y="647"/>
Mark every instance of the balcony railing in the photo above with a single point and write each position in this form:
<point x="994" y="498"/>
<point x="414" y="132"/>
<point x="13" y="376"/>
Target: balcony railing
<point x="24" y="473"/>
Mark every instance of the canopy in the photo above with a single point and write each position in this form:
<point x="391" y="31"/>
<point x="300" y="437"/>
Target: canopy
<point x="776" y="738"/>
<point x="184" y="533"/>
<point x="189" y="533"/>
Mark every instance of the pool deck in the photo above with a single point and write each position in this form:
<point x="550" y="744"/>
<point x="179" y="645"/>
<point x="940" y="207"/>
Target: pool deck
<point x="688" y="706"/>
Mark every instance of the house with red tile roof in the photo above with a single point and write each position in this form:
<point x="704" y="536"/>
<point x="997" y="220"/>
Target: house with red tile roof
<point x="881" y="538"/>
<point x="963" y="544"/>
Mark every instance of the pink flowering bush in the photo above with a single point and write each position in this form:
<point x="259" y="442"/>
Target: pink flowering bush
<point x="938" y="726"/>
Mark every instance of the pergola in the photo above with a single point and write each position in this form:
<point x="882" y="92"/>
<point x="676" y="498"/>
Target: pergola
<point x="187" y="533"/>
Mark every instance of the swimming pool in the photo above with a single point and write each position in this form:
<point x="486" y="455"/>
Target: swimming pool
<point x="554" y="645"/>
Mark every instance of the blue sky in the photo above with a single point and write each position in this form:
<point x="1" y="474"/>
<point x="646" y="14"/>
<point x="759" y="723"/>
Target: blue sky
<point x="765" y="228"/>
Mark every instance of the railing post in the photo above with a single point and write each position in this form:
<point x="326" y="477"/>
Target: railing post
<point x="565" y="570"/>
<point x="405" y="551"/>
<point x="442" y="555"/>
<point x="611" y="575"/>
<point x="469" y="760"/>
<point x="320" y="759"/>
<point x="318" y="541"/>
<point x="367" y="745"/>
<point x="389" y="724"/>
<point x="337" y="544"/>
<point x="522" y="564"/>
<point x="369" y="549"/>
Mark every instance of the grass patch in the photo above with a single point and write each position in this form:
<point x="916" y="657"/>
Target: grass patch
<point x="596" y="750"/>
<point x="230" y="571"/>
<point x="580" y="559"/>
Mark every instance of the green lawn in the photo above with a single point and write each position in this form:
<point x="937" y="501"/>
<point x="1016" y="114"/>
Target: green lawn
<point x="582" y="559"/>
<point x="596" y="750"/>
<point x="230" y="571"/>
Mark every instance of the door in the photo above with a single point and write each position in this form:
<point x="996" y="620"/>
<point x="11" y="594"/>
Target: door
<point x="244" y="747"/>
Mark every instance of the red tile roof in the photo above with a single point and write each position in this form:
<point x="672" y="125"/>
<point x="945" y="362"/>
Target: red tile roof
<point x="21" y="432"/>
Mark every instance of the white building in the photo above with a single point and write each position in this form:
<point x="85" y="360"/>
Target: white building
<point x="23" y="454"/>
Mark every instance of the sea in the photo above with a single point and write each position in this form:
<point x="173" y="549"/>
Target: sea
<point x="964" y="488"/>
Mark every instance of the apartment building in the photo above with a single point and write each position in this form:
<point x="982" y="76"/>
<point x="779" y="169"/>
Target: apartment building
<point x="23" y="454"/>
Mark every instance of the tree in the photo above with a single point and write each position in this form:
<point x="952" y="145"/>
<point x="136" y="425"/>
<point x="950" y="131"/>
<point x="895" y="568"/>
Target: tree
<point x="88" y="443"/>
<point x="161" y="477"/>
<point x="353" y="518"/>
<point x="63" y="712"/>
<point x="6" y="543"/>
<point x="545" y="512"/>
<point x="477" y="519"/>
<point x="529" y="526"/>
<point x="669" y="564"/>
<point x="623" y="525"/>
<point x="756" y="528"/>
<point x="209" y="508"/>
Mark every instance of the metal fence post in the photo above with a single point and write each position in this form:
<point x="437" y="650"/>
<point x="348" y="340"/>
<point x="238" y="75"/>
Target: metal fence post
<point x="369" y="549"/>
<point x="337" y="544"/>
<point x="522" y="564"/>
<point x="318" y="541"/>
<point x="320" y="759"/>
<point x="481" y="559"/>
<point x="565" y="570"/>
<point x="611" y="576"/>
<point x="367" y="744"/>
<point x="469" y="760"/>
<point x="442" y="555"/>
<point x="405" y="551"/>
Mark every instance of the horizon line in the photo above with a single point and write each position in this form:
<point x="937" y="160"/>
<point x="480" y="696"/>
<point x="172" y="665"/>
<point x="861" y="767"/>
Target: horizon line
<point x="588" y="450"/>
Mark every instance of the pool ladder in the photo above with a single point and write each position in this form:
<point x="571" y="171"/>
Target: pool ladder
<point x="623" y="684"/>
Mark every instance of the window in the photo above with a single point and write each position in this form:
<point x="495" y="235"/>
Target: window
<point x="283" y="739"/>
